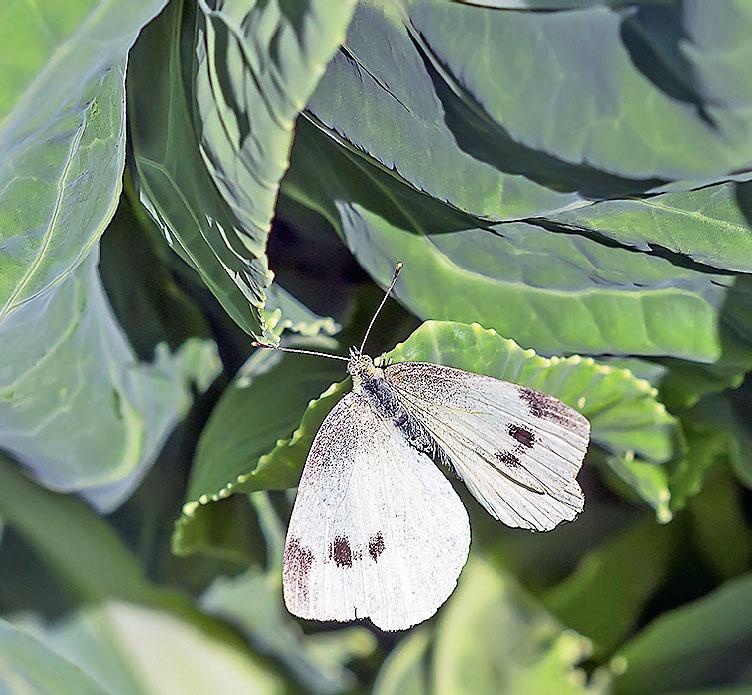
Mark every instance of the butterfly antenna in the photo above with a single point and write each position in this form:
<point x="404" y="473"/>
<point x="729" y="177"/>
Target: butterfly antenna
<point x="383" y="301"/>
<point x="268" y="346"/>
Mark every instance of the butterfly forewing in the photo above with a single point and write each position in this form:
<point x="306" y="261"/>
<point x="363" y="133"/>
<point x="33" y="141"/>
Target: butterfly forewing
<point x="517" y="450"/>
<point x="376" y="531"/>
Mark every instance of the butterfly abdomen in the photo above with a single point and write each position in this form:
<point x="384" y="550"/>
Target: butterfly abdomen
<point x="387" y="404"/>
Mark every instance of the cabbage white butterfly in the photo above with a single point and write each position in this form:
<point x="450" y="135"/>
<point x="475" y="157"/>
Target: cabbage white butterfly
<point x="377" y="530"/>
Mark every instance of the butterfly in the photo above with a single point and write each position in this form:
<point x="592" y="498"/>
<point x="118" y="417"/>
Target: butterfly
<point x="377" y="530"/>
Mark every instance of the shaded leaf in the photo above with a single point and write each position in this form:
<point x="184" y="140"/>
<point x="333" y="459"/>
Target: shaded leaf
<point x="722" y="534"/>
<point x="80" y="548"/>
<point x="604" y="610"/>
<point x="250" y="420"/>
<point x="405" y="669"/>
<point x="649" y="482"/>
<point x="62" y="135"/>
<point x="76" y="407"/>
<point x="706" y="643"/>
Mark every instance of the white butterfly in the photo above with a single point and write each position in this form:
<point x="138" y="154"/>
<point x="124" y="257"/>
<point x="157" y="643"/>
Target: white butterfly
<point x="377" y="530"/>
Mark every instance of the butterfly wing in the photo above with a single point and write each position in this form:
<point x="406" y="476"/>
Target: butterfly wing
<point x="376" y="531"/>
<point x="517" y="450"/>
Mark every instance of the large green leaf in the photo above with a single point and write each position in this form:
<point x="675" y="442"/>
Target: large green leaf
<point x="505" y="131"/>
<point x="27" y="665"/>
<point x="707" y="643"/>
<point x="258" y="64"/>
<point x="213" y="95"/>
<point x="554" y="291"/>
<point x="623" y="411"/>
<point x="62" y="134"/>
<point x="77" y="408"/>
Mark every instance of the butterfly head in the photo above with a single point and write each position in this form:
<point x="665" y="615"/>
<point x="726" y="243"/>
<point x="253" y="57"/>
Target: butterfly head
<point x="361" y="367"/>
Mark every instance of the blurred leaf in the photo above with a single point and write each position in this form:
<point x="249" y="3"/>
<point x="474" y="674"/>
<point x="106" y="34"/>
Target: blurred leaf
<point x="622" y="409"/>
<point x="27" y="665"/>
<point x="493" y="638"/>
<point x="593" y="603"/>
<point x="212" y="126"/>
<point x="723" y="537"/>
<point x="116" y="641"/>
<point x="130" y="648"/>
<point x="714" y="436"/>
<point x="405" y="669"/>
<point x="62" y="134"/>
<point x="554" y="291"/>
<point x="76" y="407"/>
<point x="709" y="225"/>
<point x="707" y="643"/>
<point x="252" y="602"/>
<point x="82" y="550"/>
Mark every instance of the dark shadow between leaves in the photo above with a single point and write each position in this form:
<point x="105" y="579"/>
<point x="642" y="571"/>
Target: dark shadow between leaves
<point x="479" y="135"/>
<point x="652" y="35"/>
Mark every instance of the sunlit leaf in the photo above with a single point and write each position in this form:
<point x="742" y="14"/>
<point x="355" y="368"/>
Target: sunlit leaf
<point x="62" y="134"/>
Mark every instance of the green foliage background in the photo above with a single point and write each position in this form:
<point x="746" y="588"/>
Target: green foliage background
<point x="569" y="186"/>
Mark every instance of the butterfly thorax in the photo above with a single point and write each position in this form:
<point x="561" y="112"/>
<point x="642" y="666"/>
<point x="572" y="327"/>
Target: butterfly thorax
<point x="369" y="380"/>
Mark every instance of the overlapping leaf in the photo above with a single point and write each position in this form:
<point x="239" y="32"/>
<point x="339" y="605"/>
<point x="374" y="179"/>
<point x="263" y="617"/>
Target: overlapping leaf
<point x="537" y="118"/>
<point x="30" y="666"/>
<point x="62" y="134"/>
<point x="554" y="291"/>
<point x="133" y="635"/>
<point x="210" y="178"/>
<point x="493" y="638"/>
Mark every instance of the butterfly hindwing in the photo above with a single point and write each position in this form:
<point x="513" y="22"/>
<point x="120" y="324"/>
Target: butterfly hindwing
<point x="376" y="531"/>
<point x="517" y="450"/>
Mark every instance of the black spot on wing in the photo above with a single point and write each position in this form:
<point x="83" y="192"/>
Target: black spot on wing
<point x="376" y="546"/>
<point x="523" y="435"/>
<point x="507" y="458"/>
<point x="340" y="552"/>
<point x="546" y="407"/>
<point x="297" y="565"/>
